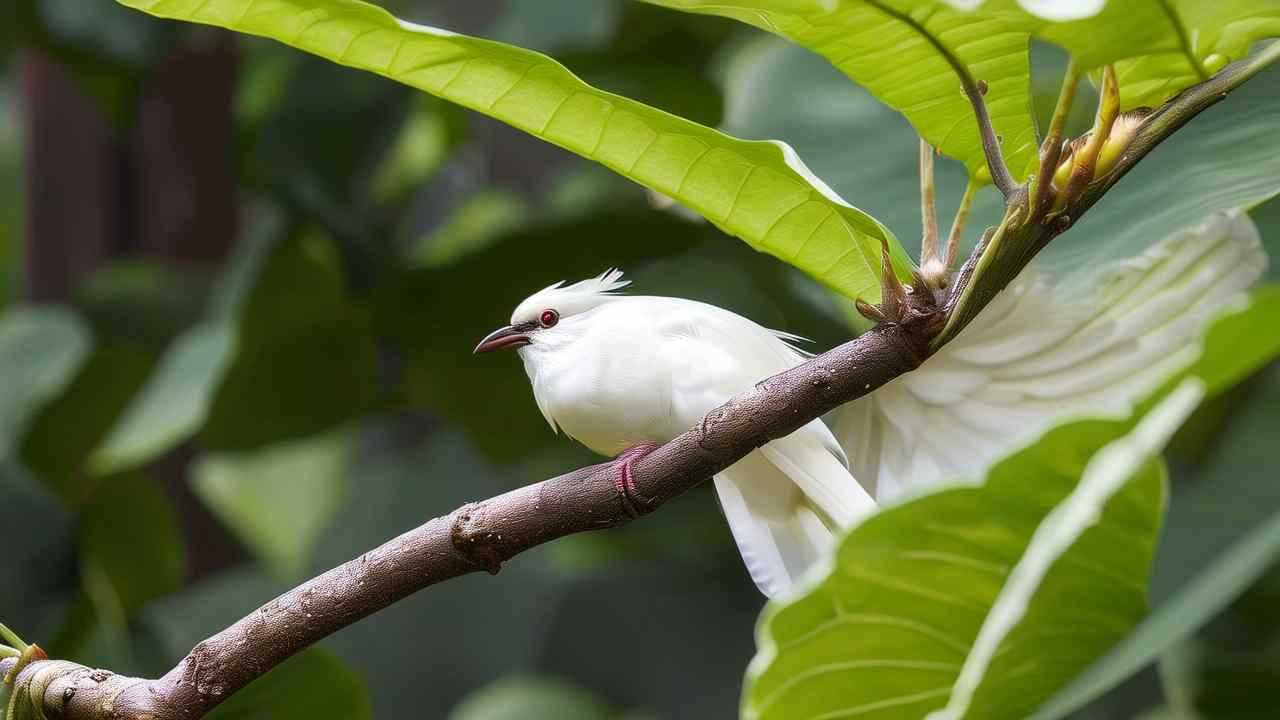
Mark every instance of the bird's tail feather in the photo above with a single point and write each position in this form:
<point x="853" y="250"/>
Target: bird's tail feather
<point x="780" y="529"/>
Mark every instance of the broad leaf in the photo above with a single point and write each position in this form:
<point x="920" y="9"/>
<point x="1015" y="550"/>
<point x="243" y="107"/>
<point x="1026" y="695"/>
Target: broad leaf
<point x="278" y="500"/>
<point x="1160" y="46"/>
<point x="40" y="351"/>
<point x="956" y="602"/>
<point x="759" y="191"/>
<point x="1223" y="159"/>
<point x="173" y="404"/>
<point x="305" y="359"/>
<point x="176" y="399"/>
<point x="912" y="55"/>
<point x="1204" y="561"/>
<point x="950" y="601"/>
<point x="131" y="549"/>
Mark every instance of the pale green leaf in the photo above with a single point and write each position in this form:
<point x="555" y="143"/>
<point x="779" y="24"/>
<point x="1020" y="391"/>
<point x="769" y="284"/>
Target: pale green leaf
<point x="1159" y="46"/>
<point x="131" y="549"/>
<point x="278" y="500"/>
<point x="758" y="191"/>
<point x="174" y="402"/>
<point x="1205" y="596"/>
<point x="909" y="55"/>
<point x="961" y="598"/>
<point x="946" y="600"/>
<point x="1223" y="159"/>
<point x="41" y="348"/>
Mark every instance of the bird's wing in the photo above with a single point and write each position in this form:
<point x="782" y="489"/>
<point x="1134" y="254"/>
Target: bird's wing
<point x="780" y="530"/>
<point x="1030" y="360"/>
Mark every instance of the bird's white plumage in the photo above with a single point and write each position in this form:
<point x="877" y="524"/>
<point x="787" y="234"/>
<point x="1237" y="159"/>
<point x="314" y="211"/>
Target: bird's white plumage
<point x="618" y="371"/>
<point x="1033" y="359"/>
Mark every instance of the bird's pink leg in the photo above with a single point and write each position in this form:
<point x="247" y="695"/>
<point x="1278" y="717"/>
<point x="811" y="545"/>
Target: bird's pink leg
<point x="623" y="481"/>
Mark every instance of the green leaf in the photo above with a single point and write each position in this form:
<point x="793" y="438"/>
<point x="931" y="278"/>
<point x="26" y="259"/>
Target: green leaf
<point x="305" y="357"/>
<point x="278" y="500"/>
<point x="1206" y="596"/>
<point x="314" y="683"/>
<point x="958" y="601"/>
<point x="930" y="574"/>
<point x="531" y="699"/>
<point x="481" y="220"/>
<point x="40" y="351"/>
<point x="131" y="549"/>
<point x="864" y="149"/>
<point x="1223" y="159"/>
<point x="1223" y="528"/>
<point x="912" y="55"/>
<point x="174" y="402"/>
<point x="758" y="191"/>
<point x="1159" y="46"/>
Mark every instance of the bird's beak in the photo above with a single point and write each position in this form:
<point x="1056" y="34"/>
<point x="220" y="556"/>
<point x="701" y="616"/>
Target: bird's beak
<point x="505" y="337"/>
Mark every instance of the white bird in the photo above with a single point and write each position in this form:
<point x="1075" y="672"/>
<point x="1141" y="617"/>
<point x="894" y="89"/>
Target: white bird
<point x="619" y="373"/>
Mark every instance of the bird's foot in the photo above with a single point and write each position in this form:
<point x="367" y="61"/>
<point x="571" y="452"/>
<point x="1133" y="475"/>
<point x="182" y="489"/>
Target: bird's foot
<point x="625" y="484"/>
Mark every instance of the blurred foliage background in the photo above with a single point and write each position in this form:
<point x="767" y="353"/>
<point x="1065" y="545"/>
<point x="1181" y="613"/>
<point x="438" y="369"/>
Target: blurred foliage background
<point x="239" y="289"/>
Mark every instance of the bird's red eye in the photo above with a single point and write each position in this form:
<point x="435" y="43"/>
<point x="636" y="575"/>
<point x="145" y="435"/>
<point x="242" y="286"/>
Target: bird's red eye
<point x="548" y="318"/>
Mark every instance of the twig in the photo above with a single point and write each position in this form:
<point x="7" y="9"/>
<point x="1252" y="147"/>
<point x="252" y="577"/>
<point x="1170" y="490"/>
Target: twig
<point x="958" y="223"/>
<point x="1051" y="148"/>
<point x="928" y="207"/>
<point x="974" y="90"/>
<point x="1000" y="175"/>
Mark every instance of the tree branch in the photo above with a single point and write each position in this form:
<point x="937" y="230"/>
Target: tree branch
<point x="483" y="535"/>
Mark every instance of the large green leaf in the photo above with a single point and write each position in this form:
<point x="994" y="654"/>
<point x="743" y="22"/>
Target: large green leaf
<point x="969" y="589"/>
<point x="1223" y="159"/>
<point x="40" y="351"/>
<point x="758" y="191"/>
<point x="1221" y="534"/>
<point x="305" y="358"/>
<point x="131" y="549"/>
<point x="176" y="399"/>
<point x="174" y="402"/>
<point x="957" y="602"/>
<point x="911" y="54"/>
<point x="1160" y="46"/>
<point x="278" y="500"/>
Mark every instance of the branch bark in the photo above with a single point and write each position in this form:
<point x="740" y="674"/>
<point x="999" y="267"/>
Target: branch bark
<point x="483" y="535"/>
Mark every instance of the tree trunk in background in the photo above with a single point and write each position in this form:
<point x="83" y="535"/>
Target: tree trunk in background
<point x="165" y="190"/>
<point x="183" y="146"/>
<point x="73" y="182"/>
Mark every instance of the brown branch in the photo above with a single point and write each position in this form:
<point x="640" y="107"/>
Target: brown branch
<point x="483" y="535"/>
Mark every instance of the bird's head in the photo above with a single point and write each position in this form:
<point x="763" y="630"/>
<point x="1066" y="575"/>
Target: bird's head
<point x="549" y="311"/>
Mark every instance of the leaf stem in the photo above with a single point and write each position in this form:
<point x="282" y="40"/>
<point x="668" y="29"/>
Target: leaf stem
<point x="8" y="652"/>
<point x="928" y="208"/>
<point x="12" y="638"/>
<point x="1000" y="175"/>
<point x="1086" y="161"/>
<point x="958" y="223"/>
<point x="974" y="90"/>
<point x="1051" y="148"/>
